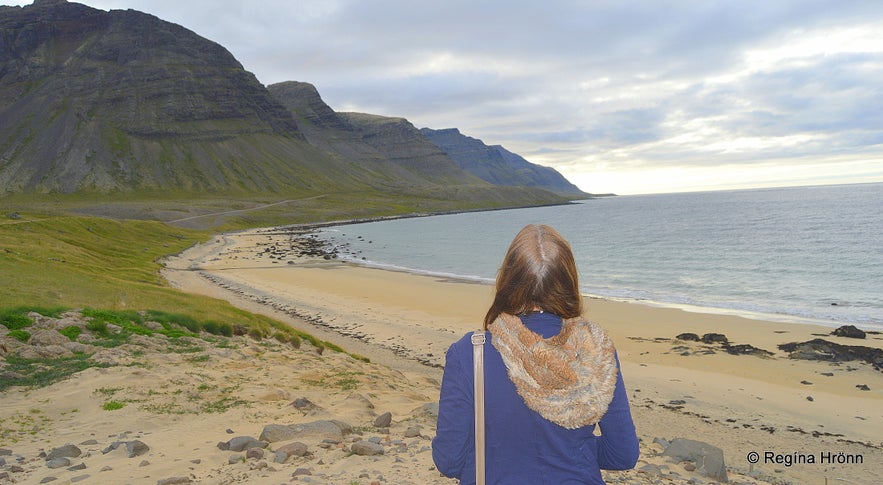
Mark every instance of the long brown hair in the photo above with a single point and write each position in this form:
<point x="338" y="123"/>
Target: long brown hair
<point x="538" y="271"/>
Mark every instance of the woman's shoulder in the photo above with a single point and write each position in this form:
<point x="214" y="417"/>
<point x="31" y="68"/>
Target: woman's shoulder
<point x="464" y="343"/>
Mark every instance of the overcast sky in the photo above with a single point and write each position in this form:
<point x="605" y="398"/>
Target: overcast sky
<point x="619" y="96"/>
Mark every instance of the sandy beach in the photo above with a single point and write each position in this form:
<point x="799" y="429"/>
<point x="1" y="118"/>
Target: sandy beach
<point x="792" y="413"/>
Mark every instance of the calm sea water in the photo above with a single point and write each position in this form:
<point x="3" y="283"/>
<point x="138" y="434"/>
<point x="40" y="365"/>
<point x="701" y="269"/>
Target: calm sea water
<point x="790" y="254"/>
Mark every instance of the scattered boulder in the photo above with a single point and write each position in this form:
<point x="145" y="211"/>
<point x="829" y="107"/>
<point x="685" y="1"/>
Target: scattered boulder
<point x="66" y="451"/>
<point x="173" y="481"/>
<point x="709" y="460"/>
<point x="317" y="430"/>
<point x="58" y="463"/>
<point x="48" y="337"/>
<point x="430" y="409"/>
<point x="366" y="448"/>
<point x="295" y="448"/>
<point x="849" y="331"/>
<point x="384" y="420"/>
<point x="242" y="443"/>
<point x="133" y="448"/>
<point x="303" y="404"/>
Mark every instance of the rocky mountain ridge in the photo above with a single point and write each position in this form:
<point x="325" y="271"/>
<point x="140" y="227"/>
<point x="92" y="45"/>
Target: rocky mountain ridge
<point x="496" y="165"/>
<point x="95" y="101"/>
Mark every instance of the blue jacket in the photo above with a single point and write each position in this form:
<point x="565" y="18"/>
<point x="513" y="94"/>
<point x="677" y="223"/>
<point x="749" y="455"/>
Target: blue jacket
<point x="522" y="447"/>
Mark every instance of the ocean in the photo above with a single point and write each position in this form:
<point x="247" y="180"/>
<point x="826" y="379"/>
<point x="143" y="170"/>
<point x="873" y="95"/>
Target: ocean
<point x="797" y="254"/>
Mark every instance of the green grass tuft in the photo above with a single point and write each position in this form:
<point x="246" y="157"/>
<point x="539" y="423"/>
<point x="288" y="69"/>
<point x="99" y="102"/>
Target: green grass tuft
<point x="113" y="405"/>
<point x="71" y="332"/>
<point x="22" y="335"/>
<point x="37" y="373"/>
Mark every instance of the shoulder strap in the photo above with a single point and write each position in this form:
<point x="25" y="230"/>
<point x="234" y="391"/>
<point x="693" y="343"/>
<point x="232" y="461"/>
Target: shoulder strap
<point x="478" y="339"/>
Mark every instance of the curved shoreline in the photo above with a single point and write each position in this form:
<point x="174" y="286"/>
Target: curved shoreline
<point x="677" y="388"/>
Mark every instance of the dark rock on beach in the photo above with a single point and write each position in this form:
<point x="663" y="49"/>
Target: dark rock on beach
<point x="715" y="338"/>
<point x="849" y="331"/>
<point x="688" y="336"/>
<point x="747" y="349"/>
<point x="820" y="349"/>
<point x="719" y="338"/>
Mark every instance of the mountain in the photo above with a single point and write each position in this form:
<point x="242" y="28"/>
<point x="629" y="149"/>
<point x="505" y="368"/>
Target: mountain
<point x="498" y="166"/>
<point x="106" y="102"/>
<point x="441" y="153"/>
<point x="121" y="100"/>
<point x="392" y="145"/>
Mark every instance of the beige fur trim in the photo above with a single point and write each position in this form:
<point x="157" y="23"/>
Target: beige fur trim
<point x="569" y="378"/>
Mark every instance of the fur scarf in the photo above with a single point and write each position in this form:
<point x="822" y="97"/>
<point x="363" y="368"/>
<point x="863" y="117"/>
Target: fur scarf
<point x="568" y="379"/>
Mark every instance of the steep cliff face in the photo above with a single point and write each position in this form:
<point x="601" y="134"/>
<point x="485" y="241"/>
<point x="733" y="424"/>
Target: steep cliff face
<point x="105" y="102"/>
<point x="117" y="100"/>
<point x="401" y="142"/>
<point x="377" y="142"/>
<point x="429" y="153"/>
<point x="497" y="165"/>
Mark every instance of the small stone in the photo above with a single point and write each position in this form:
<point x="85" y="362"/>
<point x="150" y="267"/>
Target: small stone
<point x="136" y="448"/>
<point x="58" y="463"/>
<point x="366" y="448"/>
<point x="255" y="453"/>
<point x="384" y="420"/>
<point x="303" y="404"/>
<point x="173" y="480"/>
<point x="235" y="458"/>
<point x="809" y="398"/>
<point x="242" y="443"/>
<point x="412" y="432"/>
<point x="863" y="387"/>
<point x="295" y="448"/>
<point x="66" y="451"/>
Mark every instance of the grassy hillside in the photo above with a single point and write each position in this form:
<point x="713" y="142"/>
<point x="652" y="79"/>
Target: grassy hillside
<point x="227" y="212"/>
<point x="57" y="261"/>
